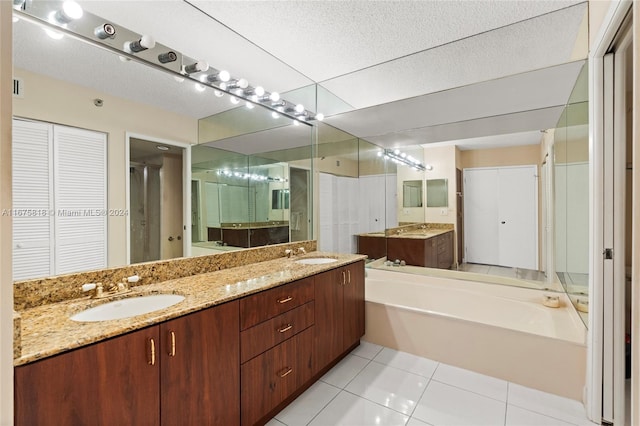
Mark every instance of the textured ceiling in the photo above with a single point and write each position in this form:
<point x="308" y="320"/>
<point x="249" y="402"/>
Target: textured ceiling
<point x="395" y="72"/>
<point x="325" y="39"/>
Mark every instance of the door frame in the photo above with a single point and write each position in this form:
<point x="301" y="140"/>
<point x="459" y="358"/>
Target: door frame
<point x="600" y="148"/>
<point x="186" y="188"/>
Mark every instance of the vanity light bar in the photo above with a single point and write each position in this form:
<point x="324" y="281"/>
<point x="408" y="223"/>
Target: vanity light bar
<point x="255" y="177"/>
<point x="399" y="157"/>
<point x="73" y="21"/>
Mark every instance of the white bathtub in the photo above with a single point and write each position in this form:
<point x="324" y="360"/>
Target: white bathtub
<point x="497" y="330"/>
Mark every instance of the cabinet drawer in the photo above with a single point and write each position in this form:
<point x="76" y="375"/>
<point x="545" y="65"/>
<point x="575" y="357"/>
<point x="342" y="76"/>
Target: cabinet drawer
<point x="264" y="336"/>
<point x="442" y="248"/>
<point x="265" y="305"/>
<point x="270" y="378"/>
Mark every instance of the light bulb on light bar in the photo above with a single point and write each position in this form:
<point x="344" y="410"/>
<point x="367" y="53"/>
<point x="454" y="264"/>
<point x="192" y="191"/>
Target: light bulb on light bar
<point x="70" y="12"/>
<point x="199" y="66"/>
<point x="299" y="108"/>
<point x="234" y="100"/>
<point x="143" y="43"/>
<point x="402" y="158"/>
<point x="220" y="76"/>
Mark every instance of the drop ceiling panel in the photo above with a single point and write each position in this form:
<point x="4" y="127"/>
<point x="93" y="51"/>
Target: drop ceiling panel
<point x="510" y="123"/>
<point x="285" y="137"/>
<point x="493" y="141"/>
<point x="183" y="27"/>
<point x="325" y="39"/>
<point x="522" y="92"/>
<point x="537" y="43"/>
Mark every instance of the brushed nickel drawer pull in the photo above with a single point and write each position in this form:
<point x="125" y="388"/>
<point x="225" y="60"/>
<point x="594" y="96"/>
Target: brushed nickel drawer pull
<point x="287" y="371"/>
<point x="349" y="276"/>
<point x="344" y="278"/>
<point x="285" y="300"/>
<point x="172" y="352"/>
<point x="285" y="328"/>
<point x="152" y="344"/>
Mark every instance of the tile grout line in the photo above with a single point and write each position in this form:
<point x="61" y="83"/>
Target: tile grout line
<point x="470" y="391"/>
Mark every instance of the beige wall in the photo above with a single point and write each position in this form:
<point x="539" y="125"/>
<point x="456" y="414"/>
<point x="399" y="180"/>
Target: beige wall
<point x="42" y="101"/>
<point x="498" y="157"/>
<point x="6" y="280"/>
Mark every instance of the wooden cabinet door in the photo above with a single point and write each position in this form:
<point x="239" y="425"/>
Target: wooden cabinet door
<point x="353" y="304"/>
<point x="201" y="368"/>
<point x="329" y="324"/>
<point x="108" y="383"/>
<point x="270" y="378"/>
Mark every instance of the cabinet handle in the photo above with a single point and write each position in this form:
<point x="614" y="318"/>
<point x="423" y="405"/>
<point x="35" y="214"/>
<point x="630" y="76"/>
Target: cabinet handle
<point x="172" y="352"/>
<point x="285" y="300"/>
<point x="344" y="278"/>
<point x="349" y="275"/>
<point x="285" y="372"/>
<point x="285" y="328"/>
<point x="152" y="344"/>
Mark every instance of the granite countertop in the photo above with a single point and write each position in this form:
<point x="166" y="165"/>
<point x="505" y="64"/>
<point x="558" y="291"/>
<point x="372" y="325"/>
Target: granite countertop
<point x="421" y="234"/>
<point x="48" y="330"/>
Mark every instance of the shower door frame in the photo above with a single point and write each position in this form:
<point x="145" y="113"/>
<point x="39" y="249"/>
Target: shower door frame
<point x="186" y="189"/>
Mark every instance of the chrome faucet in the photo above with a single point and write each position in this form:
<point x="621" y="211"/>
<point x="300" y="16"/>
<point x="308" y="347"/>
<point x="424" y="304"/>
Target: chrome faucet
<point x="288" y="252"/>
<point x="301" y="250"/>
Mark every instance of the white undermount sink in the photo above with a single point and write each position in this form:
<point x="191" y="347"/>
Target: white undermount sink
<point x="316" y="260"/>
<point x="129" y="307"/>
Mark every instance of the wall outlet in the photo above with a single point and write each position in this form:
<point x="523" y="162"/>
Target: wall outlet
<point x="443" y="212"/>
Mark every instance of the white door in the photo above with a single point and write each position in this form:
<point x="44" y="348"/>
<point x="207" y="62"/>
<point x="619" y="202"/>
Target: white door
<point x="501" y="216"/>
<point x="481" y="216"/>
<point x="518" y="216"/>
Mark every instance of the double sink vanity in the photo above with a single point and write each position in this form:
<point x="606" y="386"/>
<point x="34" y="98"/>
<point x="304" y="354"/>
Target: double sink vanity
<point x="229" y="347"/>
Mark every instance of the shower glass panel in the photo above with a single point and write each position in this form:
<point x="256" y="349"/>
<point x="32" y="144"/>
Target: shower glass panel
<point x="145" y="208"/>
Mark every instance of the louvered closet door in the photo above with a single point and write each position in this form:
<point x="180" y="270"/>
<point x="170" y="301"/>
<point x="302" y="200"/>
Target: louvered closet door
<point x="80" y="185"/>
<point x="32" y="200"/>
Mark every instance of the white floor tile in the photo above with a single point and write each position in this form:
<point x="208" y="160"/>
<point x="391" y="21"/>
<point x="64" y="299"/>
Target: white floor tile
<point x="388" y="386"/>
<point x="406" y="361"/>
<point x="545" y="403"/>
<point x="442" y="404"/>
<point x="415" y="422"/>
<point x="274" y="422"/>
<point x="471" y="381"/>
<point x="350" y="410"/>
<point x="517" y="416"/>
<point x="345" y="371"/>
<point x="367" y="350"/>
<point x="308" y="405"/>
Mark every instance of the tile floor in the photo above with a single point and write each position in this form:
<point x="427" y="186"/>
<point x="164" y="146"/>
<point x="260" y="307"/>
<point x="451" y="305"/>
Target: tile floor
<point x="375" y="385"/>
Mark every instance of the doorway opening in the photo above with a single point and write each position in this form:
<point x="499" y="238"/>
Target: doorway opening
<point x="157" y="199"/>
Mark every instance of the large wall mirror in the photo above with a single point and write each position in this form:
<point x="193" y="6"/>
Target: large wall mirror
<point x="196" y="165"/>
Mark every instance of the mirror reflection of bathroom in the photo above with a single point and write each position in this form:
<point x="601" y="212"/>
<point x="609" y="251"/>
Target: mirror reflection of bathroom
<point x="437" y="193"/>
<point x="155" y="199"/>
<point x="412" y="193"/>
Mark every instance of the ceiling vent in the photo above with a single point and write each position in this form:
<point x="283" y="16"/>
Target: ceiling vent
<point x="18" y="88"/>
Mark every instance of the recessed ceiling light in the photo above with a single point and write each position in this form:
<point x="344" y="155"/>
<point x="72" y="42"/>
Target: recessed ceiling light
<point x="162" y="147"/>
